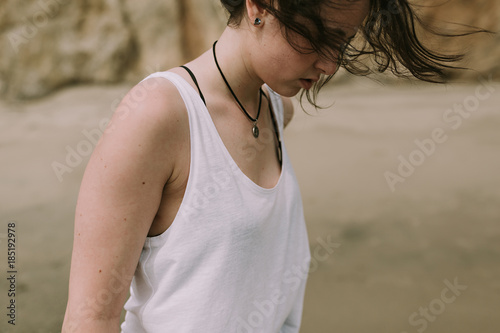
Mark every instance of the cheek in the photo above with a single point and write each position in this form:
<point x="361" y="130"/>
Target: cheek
<point x="277" y="49"/>
<point x="277" y="69"/>
<point x="289" y="63"/>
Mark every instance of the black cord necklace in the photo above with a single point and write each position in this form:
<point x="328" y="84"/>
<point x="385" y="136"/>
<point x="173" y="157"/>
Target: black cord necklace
<point x="255" y="129"/>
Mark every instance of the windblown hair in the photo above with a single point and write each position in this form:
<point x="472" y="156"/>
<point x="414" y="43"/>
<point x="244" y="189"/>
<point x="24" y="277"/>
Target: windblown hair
<point x="389" y="37"/>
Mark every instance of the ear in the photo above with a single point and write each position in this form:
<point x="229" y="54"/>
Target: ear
<point x="254" y="11"/>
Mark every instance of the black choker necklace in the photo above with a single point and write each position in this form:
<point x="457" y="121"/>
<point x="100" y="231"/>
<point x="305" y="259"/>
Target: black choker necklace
<point x="255" y="129"/>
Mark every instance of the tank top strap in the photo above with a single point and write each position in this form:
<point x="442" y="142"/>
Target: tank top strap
<point x="193" y="77"/>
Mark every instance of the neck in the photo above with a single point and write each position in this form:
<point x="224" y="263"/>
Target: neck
<point x="234" y="58"/>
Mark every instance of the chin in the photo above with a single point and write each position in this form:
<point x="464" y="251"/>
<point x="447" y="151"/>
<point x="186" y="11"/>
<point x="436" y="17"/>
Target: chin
<point x="291" y="94"/>
<point x="286" y="91"/>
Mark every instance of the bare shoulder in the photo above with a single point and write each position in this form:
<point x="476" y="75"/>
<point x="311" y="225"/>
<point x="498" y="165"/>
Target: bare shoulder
<point x="153" y="102"/>
<point x="150" y="118"/>
<point x="287" y="110"/>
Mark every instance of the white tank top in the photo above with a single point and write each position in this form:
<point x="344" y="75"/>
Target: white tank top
<point x="236" y="256"/>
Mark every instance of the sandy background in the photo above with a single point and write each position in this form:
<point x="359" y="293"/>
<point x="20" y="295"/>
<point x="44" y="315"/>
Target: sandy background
<point x="396" y="248"/>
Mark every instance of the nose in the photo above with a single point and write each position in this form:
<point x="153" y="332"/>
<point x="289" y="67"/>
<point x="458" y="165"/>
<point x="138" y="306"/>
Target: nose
<point x="327" y="67"/>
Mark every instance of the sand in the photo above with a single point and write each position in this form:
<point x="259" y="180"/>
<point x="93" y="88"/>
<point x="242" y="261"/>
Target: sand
<point x="399" y="248"/>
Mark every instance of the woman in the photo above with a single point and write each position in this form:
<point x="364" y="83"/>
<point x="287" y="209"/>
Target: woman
<point x="190" y="198"/>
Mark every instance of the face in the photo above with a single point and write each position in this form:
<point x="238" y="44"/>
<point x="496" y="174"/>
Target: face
<point x="285" y="69"/>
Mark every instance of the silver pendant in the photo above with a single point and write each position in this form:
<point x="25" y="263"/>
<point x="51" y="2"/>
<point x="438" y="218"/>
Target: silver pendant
<point x="255" y="131"/>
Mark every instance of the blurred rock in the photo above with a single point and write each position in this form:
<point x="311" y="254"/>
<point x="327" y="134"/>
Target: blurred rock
<point x="47" y="44"/>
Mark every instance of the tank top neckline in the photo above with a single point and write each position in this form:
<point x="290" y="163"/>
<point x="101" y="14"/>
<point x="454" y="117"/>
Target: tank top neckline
<point x="233" y="165"/>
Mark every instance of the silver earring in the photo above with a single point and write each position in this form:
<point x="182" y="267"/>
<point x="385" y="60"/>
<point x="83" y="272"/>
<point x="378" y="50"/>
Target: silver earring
<point x="257" y="21"/>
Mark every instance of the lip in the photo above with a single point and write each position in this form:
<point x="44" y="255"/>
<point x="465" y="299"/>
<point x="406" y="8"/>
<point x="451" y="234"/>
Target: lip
<point x="307" y="83"/>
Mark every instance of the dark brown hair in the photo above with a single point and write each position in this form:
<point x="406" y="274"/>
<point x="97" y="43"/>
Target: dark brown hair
<point x="389" y="37"/>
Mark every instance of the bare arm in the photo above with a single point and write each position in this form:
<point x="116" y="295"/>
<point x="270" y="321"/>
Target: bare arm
<point x="119" y="197"/>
